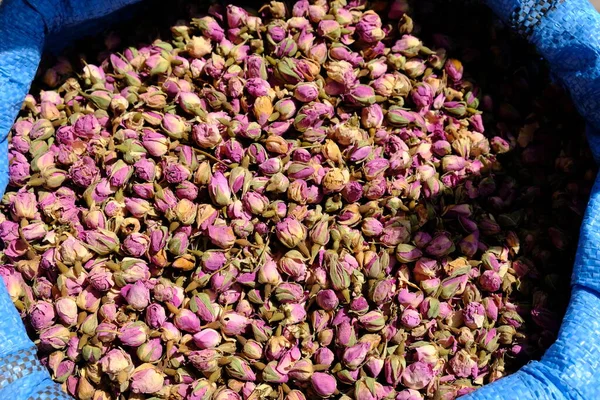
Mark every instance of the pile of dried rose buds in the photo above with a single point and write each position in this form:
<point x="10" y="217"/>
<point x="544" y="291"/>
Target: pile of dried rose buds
<point x="288" y="204"/>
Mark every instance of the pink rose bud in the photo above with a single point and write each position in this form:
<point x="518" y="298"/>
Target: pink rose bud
<point x="205" y="361"/>
<point x="219" y="190"/>
<point x="146" y="379"/>
<point x="327" y="300"/>
<point x="66" y="310"/>
<point x="156" y="144"/>
<point x="355" y="355"/>
<point x="155" y="316"/>
<point x="411" y="394"/>
<point x="454" y="69"/>
<point x="145" y="169"/>
<point x="373" y="366"/>
<point x="106" y="332"/>
<point x="133" y="334"/>
<point x="55" y="337"/>
<point x="207" y="339"/>
<point x="393" y="367"/>
<point x="463" y="365"/>
<point x="290" y="232"/>
<point x="295" y="394"/>
<point x="150" y="351"/>
<point x="306" y="92"/>
<point x="226" y="394"/>
<point x="323" y="384"/>
<point x="372" y="116"/>
<point x="221" y="236"/>
<point x="41" y="315"/>
<point x="102" y="241"/>
<point x="84" y="172"/>
<point x="137" y="295"/>
<point x="368" y="29"/>
<point x="474" y="315"/>
<point x="490" y="281"/>
<point x="87" y="126"/>
<point x="119" y="173"/>
<point x="417" y="375"/>
<point x="233" y="324"/>
<point x="273" y="375"/>
<point x="187" y="321"/>
<point x="410" y="318"/>
<point x="240" y="369"/>
<point x="24" y="205"/>
<point x="136" y="244"/>
<point x="34" y="231"/>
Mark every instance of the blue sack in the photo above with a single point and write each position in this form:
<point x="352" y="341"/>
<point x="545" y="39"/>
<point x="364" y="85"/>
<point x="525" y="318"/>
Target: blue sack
<point x="565" y="32"/>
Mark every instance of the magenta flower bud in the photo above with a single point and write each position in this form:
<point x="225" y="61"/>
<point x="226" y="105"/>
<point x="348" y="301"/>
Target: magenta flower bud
<point x="155" y="316"/>
<point x="371" y="227"/>
<point x="207" y="339"/>
<point x="145" y="169"/>
<point x="41" y="315"/>
<point x="355" y="355"/>
<point x="373" y="366"/>
<point x="454" y="69"/>
<point x="440" y="246"/>
<point x="34" y="231"/>
<point x="102" y="241"/>
<point x="345" y="335"/>
<point x="66" y="310"/>
<point x="137" y="295"/>
<point x="84" y="172"/>
<point x="327" y="300"/>
<point x="106" y="332"/>
<point x="417" y="375"/>
<point x="368" y="29"/>
<point x="87" y="126"/>
<point x="372" y="116"/>
<point x="210" y="28"/>
<point x="221" y="236"/>
<point x="156" y="144"/>
<point x="240" y="369"/>
<point x="233" y="324"/>
<point x="257" y="87"/>
<point x="474" y="315"/>
<point x="138" y="208"/>
<point x="329" y="29"/>
<point x="273" y="375"/>
<point x="306" y="92"/>
<point x="290" y="232"/>
<point x="491" y="308"/>
<point x="187" y="321"/>
<point x="136" y="244"/>
<point x="219" y="190"/>
<point x="410" y="318"/>
<point x="191" y="103"/>
<point x="94" y="219"/>
<point x="150" y="351"/>
<point x="176" y="173"/>
<point x="463" y="365"/>
<point x="186" y="190"/>
<point x="323" y="384"/>
<point x="119" y="173"/>
<point x="373" y="321"/>
<point x="24" y="205"/>
<point x="490" y="281"/>
<point x="146" y="379"/>
<point x="213" y="260"/>
<point x="179" y="243"/>
<point x="133" y="334"/>
<point x="9" y="231"/>
<point x="55" y="337"/>
<point x="173" y="125"/>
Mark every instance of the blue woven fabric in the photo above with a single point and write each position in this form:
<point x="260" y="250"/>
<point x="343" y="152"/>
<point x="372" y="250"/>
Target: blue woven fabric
<point x="566" y="33"/>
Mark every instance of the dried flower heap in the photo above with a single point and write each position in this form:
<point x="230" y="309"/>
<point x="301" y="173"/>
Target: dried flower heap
<point x="286" y="204"/>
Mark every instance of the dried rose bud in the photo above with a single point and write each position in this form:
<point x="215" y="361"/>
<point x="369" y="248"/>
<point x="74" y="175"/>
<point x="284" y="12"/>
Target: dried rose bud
<point x="271" y="374"/>
<point x="150" y="351"/>
<point x="410" y="318"/>
<point x="41" y="315"/>
<point x="323" y="384"/>
<point x="290" y="232"/>
<point x="146" y="379"/>
<point x="463" y="365"/>
<point x="327" y="300"/>
<point x="133" y="334"/>
<point x="252" y="350"/>
<point x="393" y="367"/>
<point x="373" y="321"/>
<point x="417" y="375"/>
<point x="355" y="355"/>
<point x="137" y="295"/>
<point x="240" y="369"/>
